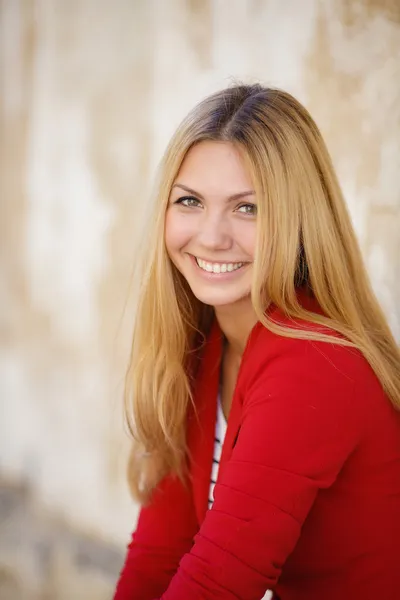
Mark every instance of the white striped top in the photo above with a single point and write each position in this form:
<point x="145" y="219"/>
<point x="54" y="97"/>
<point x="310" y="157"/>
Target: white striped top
<point x="220" y="431"/>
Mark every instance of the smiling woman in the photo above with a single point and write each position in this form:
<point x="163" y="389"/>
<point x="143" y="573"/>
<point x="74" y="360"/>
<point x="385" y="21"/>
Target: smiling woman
<point x="264" y="383"/>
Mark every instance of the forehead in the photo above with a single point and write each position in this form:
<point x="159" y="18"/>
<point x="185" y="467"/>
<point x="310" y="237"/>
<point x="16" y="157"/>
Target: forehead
<point x="214" y="167"/>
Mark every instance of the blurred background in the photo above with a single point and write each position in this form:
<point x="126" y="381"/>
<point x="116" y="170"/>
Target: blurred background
<point x="90" y="91"/>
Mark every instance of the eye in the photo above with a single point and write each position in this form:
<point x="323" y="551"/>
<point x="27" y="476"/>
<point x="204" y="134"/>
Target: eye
<point x="248" y="209"/>
<point x="188" y="201"/>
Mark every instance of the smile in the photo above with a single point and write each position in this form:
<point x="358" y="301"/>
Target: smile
<point x="218" y="267"/>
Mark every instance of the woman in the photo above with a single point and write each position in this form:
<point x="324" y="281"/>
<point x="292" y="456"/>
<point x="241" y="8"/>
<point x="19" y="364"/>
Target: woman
<point x="256" y="316"/>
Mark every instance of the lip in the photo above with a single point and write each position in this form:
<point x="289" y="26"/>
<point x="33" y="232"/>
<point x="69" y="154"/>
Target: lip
<point x="219" y="276"/>
<point x="218" y="262"/>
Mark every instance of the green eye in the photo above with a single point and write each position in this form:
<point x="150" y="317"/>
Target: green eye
<point x="188" y="201"/>
<point x="248" y="209"/>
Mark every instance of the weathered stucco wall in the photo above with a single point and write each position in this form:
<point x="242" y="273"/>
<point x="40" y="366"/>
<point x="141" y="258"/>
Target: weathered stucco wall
<point x="89" y="94"/>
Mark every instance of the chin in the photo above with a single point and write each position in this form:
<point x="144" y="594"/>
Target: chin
<point x="219" y="299"/>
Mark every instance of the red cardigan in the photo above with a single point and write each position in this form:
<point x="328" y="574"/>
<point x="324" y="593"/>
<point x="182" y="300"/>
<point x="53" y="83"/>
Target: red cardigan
<point x="307" y="501"/>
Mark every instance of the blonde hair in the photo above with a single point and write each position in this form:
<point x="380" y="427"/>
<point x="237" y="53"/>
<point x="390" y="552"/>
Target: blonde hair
<point x="305" y="237"/>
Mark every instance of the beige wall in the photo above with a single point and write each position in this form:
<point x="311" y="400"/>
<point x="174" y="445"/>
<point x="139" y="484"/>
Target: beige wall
<point x="89" y="93"/>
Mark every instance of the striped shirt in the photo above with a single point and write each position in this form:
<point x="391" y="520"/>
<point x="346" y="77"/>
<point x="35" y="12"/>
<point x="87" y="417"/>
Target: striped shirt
<point x="220" y="431"/>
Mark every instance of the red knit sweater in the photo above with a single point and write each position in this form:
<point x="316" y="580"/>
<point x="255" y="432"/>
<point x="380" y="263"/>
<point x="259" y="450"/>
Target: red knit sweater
<point x="307" y="501"/>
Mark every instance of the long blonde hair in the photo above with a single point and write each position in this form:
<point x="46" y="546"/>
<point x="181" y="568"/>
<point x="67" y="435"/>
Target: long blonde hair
<point x="305" y="237"/>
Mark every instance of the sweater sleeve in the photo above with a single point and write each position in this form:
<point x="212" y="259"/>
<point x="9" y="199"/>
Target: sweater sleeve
<point x="164" y="533"/>
<point x="301" y="421"/>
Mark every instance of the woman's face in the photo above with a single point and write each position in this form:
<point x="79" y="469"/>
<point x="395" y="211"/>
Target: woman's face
<point x="210" y="229"/>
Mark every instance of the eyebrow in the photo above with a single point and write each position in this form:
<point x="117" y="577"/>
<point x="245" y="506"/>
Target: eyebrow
<point x="198" y="195"/>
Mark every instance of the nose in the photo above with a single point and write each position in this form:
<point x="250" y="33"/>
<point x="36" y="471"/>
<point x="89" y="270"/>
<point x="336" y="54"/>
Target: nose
<point x="214" y="232"/>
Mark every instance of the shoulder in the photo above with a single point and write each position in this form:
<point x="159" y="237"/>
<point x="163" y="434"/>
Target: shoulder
<point x="264" y="347"/>
<point x="307" y="368"/>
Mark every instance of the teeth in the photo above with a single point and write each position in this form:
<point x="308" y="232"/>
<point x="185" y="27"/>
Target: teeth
<point x="218" y="267"/>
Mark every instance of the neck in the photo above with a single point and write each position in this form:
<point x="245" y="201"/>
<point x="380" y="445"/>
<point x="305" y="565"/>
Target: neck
<point x="236" y="322"/>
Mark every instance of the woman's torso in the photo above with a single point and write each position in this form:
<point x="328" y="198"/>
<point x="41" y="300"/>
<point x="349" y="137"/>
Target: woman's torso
<point x="350" y="540"/>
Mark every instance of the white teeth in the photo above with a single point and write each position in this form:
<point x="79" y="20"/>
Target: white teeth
<point x="218" y="267"/>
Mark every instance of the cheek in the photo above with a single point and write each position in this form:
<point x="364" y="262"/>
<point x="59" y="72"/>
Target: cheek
<point x="246" y="238"/>
<point x="177" y="232"/>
